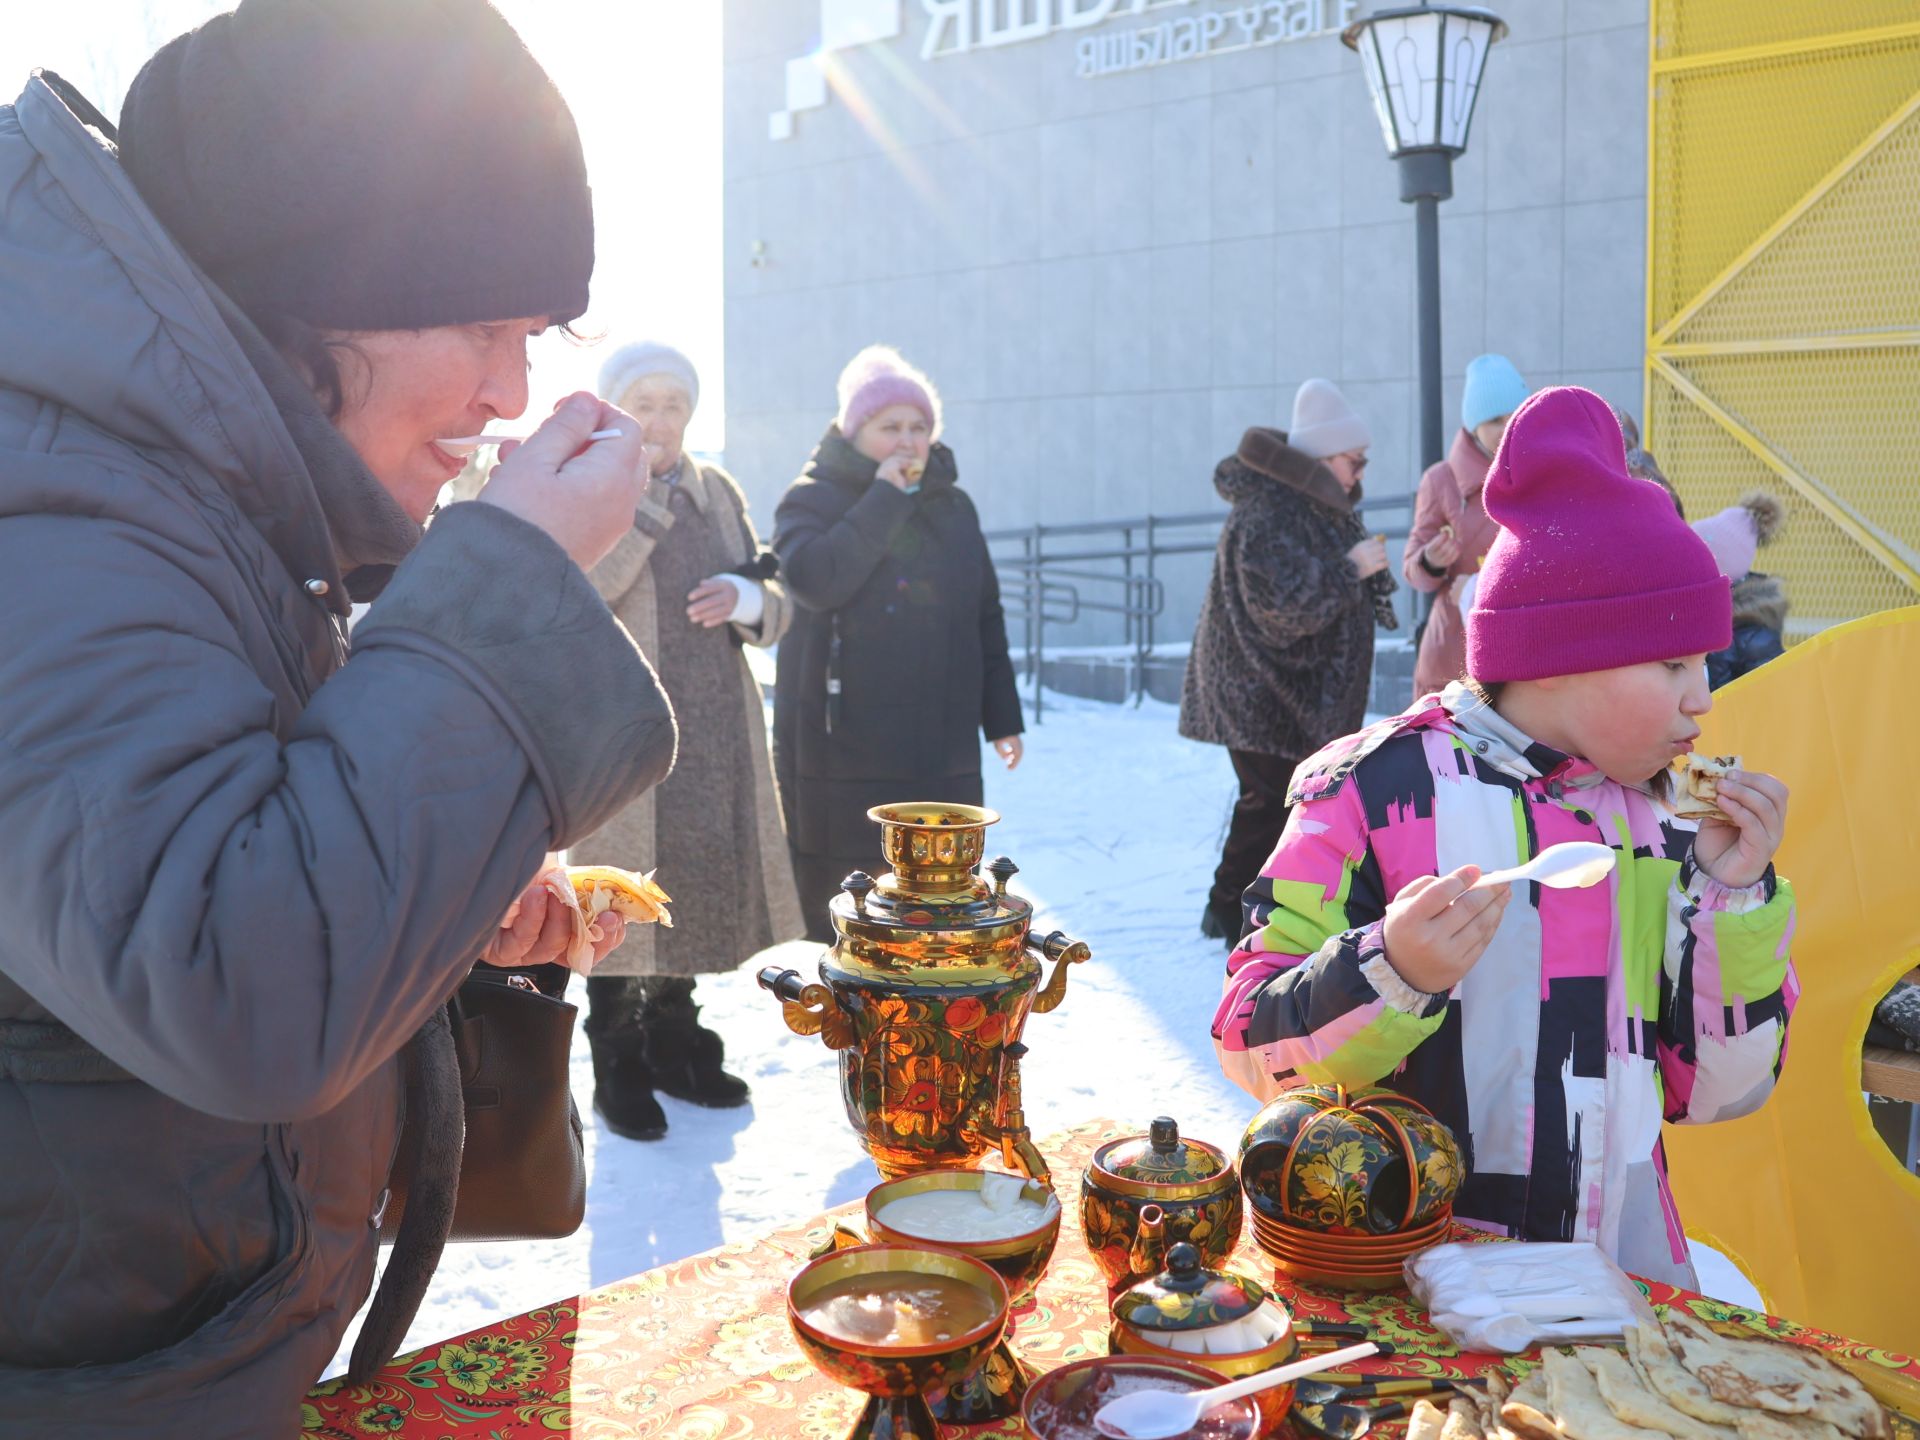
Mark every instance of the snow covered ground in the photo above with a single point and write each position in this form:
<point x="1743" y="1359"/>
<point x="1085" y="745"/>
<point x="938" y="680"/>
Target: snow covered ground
<point x="1115" y="822"/>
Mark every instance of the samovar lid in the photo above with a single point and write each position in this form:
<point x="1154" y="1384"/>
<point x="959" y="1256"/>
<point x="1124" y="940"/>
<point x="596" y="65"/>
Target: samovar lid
<point x="934" y="884"/>
<point x="1161" y="1157"/>
<point x="1189" y="1296"/>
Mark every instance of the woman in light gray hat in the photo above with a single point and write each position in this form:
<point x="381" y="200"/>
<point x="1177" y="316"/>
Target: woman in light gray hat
<point x="690" y="581"/>
<point x="1283" y="650"/>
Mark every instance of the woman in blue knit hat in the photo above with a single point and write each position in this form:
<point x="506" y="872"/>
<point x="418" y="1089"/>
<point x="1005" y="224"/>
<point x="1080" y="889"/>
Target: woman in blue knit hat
<point x="1451" y="529"/>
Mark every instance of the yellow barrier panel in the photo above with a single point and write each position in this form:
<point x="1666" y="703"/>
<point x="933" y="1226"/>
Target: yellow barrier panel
<point x="1804" y="1195"/>
<point x="1783" y="300"/>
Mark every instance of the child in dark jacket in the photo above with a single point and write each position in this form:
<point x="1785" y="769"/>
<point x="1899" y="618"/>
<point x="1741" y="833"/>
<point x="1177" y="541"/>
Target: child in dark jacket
<point x="1759" y="601"/>
<point x="1553" y="1030"/>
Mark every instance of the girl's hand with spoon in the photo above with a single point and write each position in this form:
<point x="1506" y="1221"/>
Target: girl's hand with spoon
<point x="1160" y="1414"/>
<point x="580" y="491"/>
<point x="1438" y="926"/>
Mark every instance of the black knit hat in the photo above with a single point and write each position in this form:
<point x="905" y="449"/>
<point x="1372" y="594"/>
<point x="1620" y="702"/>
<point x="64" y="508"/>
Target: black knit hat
<point x="366" y="164"/>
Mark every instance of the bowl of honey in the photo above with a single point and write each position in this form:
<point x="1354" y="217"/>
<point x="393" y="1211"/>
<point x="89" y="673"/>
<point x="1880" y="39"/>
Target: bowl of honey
<point x="898" y="1322"/>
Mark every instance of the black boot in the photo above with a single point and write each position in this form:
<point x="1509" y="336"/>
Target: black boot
<point x="686" y="1058"/>
<point x="622" y="1080"/>
<point x="1221" y="923"/>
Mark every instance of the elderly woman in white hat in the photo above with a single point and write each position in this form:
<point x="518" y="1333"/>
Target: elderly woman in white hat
<point x="1282" y="654"/>
<point x="693" y="585"/>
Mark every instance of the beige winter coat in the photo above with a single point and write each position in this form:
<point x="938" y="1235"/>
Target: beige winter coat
<point x="771" y="913"/>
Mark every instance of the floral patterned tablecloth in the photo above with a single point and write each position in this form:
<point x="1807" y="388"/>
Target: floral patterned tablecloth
<point x="699" y="1350"/>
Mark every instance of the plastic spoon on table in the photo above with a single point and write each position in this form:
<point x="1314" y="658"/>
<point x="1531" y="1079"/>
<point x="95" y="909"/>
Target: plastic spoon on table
<point x="464" y="445"/>
<point x="1572" y="865"/>
<point x="1160" y="1414"/>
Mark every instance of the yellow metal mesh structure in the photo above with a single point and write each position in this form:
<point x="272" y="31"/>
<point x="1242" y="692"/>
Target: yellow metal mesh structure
<point x="1829" y="578"/>
<point x="1736" y="146"/>
<point x="1684" y="29"/>
<point x="1848" y="266"/>
<point x="1784" y="284"/>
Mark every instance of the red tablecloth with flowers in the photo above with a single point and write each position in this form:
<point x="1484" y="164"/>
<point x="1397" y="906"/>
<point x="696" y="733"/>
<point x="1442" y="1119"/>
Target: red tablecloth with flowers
<point x="699" y="1350"/>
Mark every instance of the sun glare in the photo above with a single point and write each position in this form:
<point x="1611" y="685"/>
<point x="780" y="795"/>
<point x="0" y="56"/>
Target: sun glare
<point x="643" y="80"/>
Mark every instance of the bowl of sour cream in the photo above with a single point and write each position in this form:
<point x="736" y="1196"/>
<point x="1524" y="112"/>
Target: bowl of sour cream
<point x="1008" y="1221"/>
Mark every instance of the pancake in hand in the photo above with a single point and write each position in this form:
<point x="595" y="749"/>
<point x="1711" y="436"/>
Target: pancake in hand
<point x="590" y="891"/>
<point x="600" y="888"/>
<point x="1696" y="785"/>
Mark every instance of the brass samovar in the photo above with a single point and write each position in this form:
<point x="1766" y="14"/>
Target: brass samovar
<point x="926" y="992"/>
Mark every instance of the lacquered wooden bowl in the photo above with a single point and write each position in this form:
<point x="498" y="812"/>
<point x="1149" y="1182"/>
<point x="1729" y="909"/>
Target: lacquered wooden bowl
<point x="898" y="1378"/>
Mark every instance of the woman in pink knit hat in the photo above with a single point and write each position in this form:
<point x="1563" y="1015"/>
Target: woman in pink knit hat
<point x="896" y="666"/>
<point x="1759" y="601"/>
<point x="1552" y="1030"/>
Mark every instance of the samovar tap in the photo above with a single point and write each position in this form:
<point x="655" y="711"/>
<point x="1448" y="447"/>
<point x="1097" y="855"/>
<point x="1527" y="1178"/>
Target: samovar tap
<point x="1017" y="1150"/>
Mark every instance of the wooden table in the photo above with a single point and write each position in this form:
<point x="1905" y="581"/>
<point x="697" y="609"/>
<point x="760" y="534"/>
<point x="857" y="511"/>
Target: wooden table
<point x="699" y="1350"/>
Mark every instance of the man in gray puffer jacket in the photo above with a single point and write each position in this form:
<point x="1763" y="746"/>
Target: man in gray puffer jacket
<point x="240" y="870"/>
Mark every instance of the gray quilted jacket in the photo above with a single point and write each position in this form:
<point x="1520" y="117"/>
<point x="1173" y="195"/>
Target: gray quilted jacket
<point x="240" y="869"/>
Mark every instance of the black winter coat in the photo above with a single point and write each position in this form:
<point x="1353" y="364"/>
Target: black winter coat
<point x="1759" y="617"/>
<point x="904" y="585"/>
<point x="1283" y="650"/>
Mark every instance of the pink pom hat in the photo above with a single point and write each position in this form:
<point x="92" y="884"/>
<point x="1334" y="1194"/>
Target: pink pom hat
<point x="880" y="376"/>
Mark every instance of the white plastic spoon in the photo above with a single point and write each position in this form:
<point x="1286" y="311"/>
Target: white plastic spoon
<point x="1159" y="1414"/>
<point x="1571" y="865"/>
<point x="467" y="444"/>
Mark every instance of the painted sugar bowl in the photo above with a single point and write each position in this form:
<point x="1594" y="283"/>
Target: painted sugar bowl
<point x="1216" y="1318"/>
<point x="1193" y="1184"/>
<point x="1366" y="1162"/>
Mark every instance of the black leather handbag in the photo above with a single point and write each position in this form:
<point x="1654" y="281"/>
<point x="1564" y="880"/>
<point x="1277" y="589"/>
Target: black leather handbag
<point x="523" y="1171"/>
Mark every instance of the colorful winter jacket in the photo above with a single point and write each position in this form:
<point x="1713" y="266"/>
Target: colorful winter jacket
<point x="1593" y="1015"/>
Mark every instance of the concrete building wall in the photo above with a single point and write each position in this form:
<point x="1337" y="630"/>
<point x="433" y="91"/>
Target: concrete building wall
<point x="1111" y="277"/>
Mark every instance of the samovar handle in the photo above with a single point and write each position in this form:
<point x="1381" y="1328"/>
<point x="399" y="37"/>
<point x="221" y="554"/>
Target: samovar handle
<point x="1063" y="950"/>
<point x="808" y="1008"/>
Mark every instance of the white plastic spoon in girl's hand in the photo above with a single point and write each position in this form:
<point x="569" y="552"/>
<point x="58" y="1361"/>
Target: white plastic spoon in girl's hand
<point x="1571" y="865"/>
<point x="1159" y="1414"/>
<point x="467" y="444"/>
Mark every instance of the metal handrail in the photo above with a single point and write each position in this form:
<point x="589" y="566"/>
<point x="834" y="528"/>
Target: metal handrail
<point x="1040" y="587"/>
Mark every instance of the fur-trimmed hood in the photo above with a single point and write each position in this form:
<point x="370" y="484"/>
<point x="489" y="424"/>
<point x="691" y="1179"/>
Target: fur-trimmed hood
<point x="1760" y="600"/>
<point x="1264" y="455"/>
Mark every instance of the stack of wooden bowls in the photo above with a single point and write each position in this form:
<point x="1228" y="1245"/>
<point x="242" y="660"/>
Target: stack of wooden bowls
<point x="1343" y="1186"/>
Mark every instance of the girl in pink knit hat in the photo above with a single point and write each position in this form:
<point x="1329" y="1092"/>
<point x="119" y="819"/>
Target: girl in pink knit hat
<point x="1553" y="1030"/>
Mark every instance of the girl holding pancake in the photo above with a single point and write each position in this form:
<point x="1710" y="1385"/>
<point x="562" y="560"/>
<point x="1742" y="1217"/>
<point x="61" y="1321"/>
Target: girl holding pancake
<point x="1553" y="1030"/>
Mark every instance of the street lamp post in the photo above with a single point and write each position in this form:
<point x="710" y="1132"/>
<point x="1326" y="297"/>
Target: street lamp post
<point x="1423" y="65"/>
